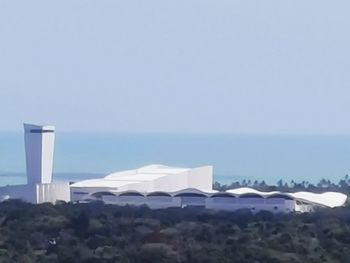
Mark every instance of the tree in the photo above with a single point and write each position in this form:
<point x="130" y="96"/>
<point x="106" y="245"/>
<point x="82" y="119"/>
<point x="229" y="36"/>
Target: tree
<point x="81" y="224"/>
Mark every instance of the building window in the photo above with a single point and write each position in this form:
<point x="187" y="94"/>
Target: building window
<point x="42" y="131"/>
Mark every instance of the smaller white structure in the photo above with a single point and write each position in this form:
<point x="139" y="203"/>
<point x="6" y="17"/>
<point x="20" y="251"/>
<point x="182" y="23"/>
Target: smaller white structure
<point x="39" y="150"/>
<point x="298" y="201"/>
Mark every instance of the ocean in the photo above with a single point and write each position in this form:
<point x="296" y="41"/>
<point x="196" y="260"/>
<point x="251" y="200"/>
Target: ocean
<point x="235" y="157"/>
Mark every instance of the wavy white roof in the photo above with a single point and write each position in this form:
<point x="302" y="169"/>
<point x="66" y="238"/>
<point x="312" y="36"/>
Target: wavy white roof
<point x="329" y="199"/>
<point x="134" y="178"/>
<point x="207" y="192"/>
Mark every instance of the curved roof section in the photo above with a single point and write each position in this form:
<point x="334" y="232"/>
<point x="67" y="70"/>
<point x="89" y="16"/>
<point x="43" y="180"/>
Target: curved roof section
<point x="131" y="193"/>
<point x="281" y="195"/>
<point x="329" y="199"/>
<point x="223" y="195"/>
<point x="247" y="190"/>
<point x="191" y="194"/>
<point x="102" y="193"/>
<point x="250" y="195"/>
<point x="158" y="194"/>
<point x="195" y="191"/>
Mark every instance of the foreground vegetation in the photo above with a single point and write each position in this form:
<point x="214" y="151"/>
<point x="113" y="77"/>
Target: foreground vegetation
<point x="96" y="232"/>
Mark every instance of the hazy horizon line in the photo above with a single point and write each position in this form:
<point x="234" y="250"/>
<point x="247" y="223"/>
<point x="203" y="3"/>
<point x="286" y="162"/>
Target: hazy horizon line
<point x="134" y="132"/>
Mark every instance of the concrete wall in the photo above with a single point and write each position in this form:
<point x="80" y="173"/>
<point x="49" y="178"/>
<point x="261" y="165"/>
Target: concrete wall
<point x="255" y="204"/>
<point x="139" y="187"/>
<point x="158" y="202"/>
<point x="216" y="203"/>
<point x="201" y="178"/>
<point x="171" y="183"/>
<point x="221" y="203"/>
<point x="52" y="192"/>
<point x="154" y="202"/>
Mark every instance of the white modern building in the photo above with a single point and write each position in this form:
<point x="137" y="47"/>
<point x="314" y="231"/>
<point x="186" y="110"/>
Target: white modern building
<point x="158" y="186"/>
<point x="39" y="151"/>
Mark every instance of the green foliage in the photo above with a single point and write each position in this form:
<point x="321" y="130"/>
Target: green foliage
<point x="96" y="232"/>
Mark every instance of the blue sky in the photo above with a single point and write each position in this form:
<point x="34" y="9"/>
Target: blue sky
<point x="176" y="66"/>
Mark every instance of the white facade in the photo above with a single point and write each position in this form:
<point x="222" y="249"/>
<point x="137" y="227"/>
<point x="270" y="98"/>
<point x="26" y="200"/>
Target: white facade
<point x="52" y="192"/>
<point x="195" y="198"/>
<point x="39" y="150"/>
<point x="145" y="193"/>
<point x="158" y="186"/>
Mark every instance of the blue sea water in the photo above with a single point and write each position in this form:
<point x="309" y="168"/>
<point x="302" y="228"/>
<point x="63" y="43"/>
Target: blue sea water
<point x="235" y="157"/>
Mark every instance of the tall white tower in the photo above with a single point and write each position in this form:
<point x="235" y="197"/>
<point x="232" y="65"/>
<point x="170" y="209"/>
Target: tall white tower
<point x="39" y="146"/>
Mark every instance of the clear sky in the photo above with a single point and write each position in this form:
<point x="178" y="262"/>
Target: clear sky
<point x="176" y="66"/>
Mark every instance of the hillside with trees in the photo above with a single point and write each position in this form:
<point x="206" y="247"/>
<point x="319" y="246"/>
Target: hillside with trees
<point x="96" y="232"/>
